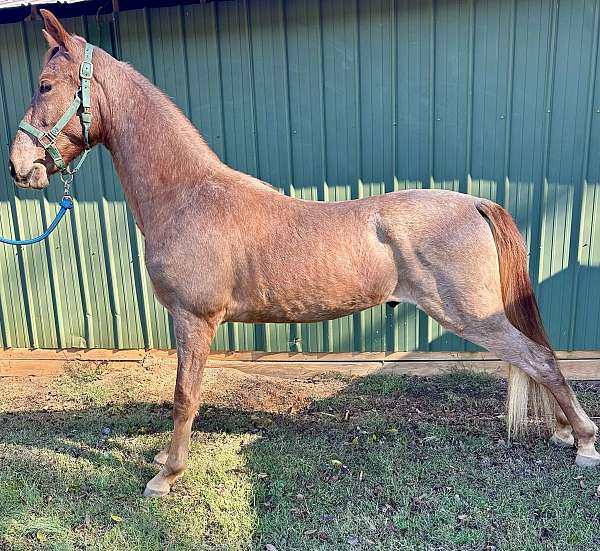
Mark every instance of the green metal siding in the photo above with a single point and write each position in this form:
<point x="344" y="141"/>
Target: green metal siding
<point x="328" y="100"/>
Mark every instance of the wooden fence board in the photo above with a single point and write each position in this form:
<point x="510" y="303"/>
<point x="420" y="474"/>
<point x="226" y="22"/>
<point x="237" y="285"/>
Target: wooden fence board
<point x="15" y="362"/>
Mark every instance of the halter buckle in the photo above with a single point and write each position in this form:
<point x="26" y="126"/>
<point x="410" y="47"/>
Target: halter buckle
<point x="50" y="140"/>
<point x="86" y="70"/>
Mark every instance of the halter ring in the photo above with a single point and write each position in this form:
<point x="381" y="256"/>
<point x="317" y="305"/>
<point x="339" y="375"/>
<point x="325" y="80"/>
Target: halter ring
<point x="67" y="178"/>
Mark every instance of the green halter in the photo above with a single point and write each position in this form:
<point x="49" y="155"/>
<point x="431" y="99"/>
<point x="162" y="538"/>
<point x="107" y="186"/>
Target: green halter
<point x="82" y="99"/>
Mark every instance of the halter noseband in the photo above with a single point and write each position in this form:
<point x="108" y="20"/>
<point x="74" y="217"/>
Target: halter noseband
<point x="82" y="99"/>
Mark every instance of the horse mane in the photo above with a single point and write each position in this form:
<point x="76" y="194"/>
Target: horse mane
<point x="167" y="107"/>
<point x="171" y="147"/>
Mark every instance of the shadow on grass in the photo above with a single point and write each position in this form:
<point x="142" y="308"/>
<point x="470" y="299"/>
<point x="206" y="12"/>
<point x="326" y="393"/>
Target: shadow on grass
<point x="386" y="463"/>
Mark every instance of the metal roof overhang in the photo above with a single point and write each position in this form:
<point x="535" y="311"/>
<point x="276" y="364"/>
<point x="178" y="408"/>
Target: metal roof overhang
<point x="12" y="11"/>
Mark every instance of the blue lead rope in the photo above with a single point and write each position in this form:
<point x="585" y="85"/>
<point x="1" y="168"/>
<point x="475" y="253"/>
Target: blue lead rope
<point x="66" y="203"/>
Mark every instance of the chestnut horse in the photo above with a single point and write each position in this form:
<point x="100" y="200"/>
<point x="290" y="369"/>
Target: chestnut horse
<point x="224" y="246"/>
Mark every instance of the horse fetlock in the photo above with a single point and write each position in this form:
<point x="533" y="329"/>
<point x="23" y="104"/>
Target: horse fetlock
<point x="161" y="457"/>
<point x="562" y="439"/>
<point x="173" y="467"/>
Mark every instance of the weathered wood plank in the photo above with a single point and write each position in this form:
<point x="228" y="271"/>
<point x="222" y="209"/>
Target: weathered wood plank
<point x="20" y="363"/>
<point x="101" y="354"/>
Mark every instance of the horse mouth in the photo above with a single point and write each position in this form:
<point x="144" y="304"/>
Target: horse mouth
<point x="36" y="178"/>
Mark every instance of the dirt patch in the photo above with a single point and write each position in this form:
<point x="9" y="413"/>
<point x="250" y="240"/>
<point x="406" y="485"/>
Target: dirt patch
<point x="223" y="388"/>
<point x="470" y="403"/>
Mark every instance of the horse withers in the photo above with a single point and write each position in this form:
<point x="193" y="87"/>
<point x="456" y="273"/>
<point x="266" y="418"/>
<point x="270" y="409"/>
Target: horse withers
<point x="224" y="246"/>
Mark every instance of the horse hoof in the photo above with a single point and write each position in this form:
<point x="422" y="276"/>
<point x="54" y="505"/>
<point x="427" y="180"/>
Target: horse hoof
<point x="587" y="461"/>
<point x="563" y="442"/>
<point x="155" y="492"/>
<point x="157" y="488"/>
<point x="148" y="492"/>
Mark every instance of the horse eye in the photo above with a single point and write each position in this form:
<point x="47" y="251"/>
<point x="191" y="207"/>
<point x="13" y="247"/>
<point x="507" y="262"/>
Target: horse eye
<point x="45" y="87"/>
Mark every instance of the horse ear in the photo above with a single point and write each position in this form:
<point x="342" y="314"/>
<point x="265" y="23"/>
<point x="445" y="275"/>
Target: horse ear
<point x="55" y="30"/>
<point x="51" y="42"/>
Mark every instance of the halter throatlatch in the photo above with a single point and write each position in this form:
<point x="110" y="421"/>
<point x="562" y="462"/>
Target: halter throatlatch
<point x="48" y="141"/>
<point x="82" y="99"/>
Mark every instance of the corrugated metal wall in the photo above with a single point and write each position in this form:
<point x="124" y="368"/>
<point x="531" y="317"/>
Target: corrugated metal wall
<point x="331" y="99"/>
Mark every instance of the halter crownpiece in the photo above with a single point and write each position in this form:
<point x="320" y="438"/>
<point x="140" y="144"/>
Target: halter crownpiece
<point x="82" y="99"/>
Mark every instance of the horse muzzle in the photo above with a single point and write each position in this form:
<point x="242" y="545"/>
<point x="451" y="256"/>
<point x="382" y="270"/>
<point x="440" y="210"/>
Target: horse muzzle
<point x="35" y="178"/>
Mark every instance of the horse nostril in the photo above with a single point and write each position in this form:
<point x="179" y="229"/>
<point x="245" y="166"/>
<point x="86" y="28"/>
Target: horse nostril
<point x="11" y="169"/>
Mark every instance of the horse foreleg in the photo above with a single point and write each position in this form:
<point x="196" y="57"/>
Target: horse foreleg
<point x="194" y="336"/>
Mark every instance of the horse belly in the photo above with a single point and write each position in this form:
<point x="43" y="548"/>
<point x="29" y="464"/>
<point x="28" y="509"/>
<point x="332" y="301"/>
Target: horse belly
<point x="300" y="310"/>
<point x="309" y="291"/>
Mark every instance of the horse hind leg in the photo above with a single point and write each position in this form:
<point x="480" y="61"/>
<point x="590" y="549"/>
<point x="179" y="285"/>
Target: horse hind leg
<point x="499" y="336"/>
<point x="491" y="303"/>
<point x="491" y="329"/>
<point x="563" y="432"/>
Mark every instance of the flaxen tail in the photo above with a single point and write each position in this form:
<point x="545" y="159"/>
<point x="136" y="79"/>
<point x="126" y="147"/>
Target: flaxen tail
<point x="522" y="311"/>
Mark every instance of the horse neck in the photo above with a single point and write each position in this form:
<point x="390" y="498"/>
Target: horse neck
<point x="157" y="152"/>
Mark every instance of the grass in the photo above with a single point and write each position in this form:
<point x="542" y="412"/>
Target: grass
<point x="382" y="463"/>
